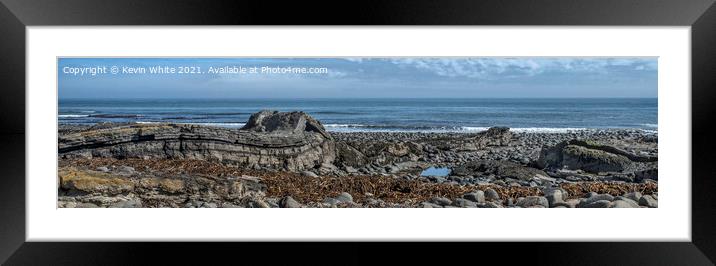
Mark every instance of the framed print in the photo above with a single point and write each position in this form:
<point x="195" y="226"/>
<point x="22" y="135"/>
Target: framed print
<point x="459" y="121"/>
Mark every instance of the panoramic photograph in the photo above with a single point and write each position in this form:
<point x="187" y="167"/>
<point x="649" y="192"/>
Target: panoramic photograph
<point x="357" y="132"/>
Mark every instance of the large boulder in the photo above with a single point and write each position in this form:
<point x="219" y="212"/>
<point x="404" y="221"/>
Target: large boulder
<point x="588" y="156"/>
<point x="284" y="122"/>
<point x="290" y="141"/>
<point x="578" y="157"/>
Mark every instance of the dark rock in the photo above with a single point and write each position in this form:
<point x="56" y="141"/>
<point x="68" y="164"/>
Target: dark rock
<point x="652" y="173"/>
<point x="289" y="122"/>
<point x="501" y="169"/>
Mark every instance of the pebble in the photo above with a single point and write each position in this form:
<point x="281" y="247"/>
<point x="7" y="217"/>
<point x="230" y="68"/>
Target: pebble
<point x="103" y="169"/>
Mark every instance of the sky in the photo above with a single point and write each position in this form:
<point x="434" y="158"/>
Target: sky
<point x="486" y="77"/>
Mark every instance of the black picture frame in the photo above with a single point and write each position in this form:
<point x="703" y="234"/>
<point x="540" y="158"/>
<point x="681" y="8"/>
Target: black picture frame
<point x="16" y="15"/>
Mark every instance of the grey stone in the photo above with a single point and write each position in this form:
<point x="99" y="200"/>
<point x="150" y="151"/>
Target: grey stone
<point x="441" y="201"/>
<point x="309" y="174"/>
<point x="532" y="201"/>
<point x="595" y="198"/>
<point x="127" y="204"/>
<point x="259" y="203"/>
<point x="588" y="156"/>
<point x="331" y="201"/>
<point x="624" y="204"/>
<point x="86" y="205"/>
<point x="491" y="195"/>
<point x="598" y="204"/>
<point x="350" y="170"/>
<point x="429" y="205"/>
<point x="635" y="196"/>
<point x="344" y="197"/>
<point x="628" y="200"/>
<point x="477" y="196"/>
<point x="210" y="205"/>
<point x="648" y="201"/>
<point x="464" y="203"/>
<point x="555" y="195"/>
<point x="492" y="204"/>
<point x="103" y="169"/>
<point x="125" y="170"/>
<point x="289" y="202"/>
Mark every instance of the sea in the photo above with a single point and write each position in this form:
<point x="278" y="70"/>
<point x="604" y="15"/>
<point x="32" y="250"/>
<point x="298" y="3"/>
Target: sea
<point x="552" y="115"/>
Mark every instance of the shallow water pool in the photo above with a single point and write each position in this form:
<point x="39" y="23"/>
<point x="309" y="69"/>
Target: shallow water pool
<point x="436" y="171"/>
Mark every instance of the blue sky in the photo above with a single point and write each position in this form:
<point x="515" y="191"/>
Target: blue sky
<point x="368" y="78"/>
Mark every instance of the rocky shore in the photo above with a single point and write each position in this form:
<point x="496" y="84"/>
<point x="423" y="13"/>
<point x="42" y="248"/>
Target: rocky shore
<point x="289" y="160"/>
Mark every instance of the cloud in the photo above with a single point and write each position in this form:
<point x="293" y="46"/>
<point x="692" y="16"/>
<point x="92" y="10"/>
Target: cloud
<point x="493" y="68"/>
<point x="354" y="59"/>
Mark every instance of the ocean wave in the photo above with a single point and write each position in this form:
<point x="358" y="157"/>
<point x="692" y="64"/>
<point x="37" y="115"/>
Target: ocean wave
<point x="116" y="116"/>
<point x="650" y="125"/>
<point x="547" y="129"/>
<point x="413" y="129"/>
<point x="71" y="116"/>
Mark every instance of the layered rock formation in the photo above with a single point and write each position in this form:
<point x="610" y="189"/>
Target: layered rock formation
<point x="290" y="141"/>
<point x="590" y="157"/>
